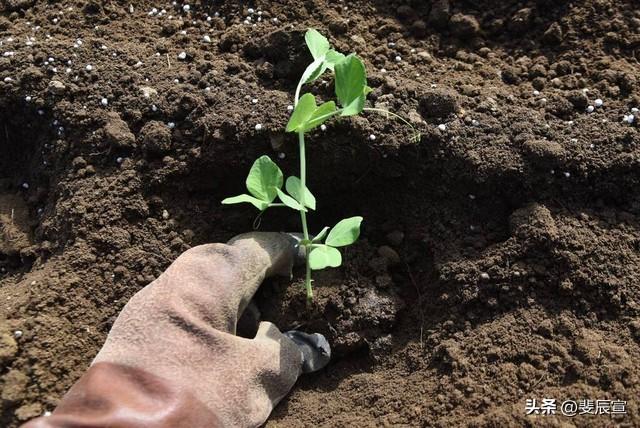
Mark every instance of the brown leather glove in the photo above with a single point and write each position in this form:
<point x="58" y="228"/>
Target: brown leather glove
<point x="172" y="358"/>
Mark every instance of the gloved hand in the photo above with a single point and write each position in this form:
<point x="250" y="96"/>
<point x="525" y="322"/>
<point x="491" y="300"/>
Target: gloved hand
<point x="172" y="358"/>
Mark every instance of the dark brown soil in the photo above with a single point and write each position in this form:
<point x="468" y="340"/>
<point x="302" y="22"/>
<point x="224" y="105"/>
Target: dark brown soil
<point x="500" y="257"/>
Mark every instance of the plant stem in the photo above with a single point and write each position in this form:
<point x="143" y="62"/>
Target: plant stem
<point x="400" y="118"/>
<point x="303" y="215"/>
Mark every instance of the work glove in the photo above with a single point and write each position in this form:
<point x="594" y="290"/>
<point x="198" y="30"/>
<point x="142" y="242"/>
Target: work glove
<point x="172" y="357"/>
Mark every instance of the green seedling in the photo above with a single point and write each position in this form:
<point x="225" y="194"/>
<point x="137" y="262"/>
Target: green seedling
<point x="265" y="180"/>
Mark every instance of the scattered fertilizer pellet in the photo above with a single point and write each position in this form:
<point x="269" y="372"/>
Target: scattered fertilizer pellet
<point x="206" y="38"/>
<point x="46" y="414"/>
<point x="598" y="102"/>
<point x="17" y="334"/>
<point x="254" y="101"/>
<point x="289" y="108"/>
<point x="171" y="125"/>
<point x="590" y="109"/>
<point x="25" y="185"/>
<point x="634" y="110"/>
<point x="398" y="58"/>
<point x="442" y="127"/>
<point x="475" y="122"/>
<point x="372" y="137"/>
<point x="484" y="276"/>
<point x="567" y="174"/>
<point x="629" y="118"/>
<point x="186" y="8"/>
<point x="89" y="67"/>
<point x="119" y="160"/>
<point x="182" y="55"/>
<point x="281" y="155"/>
<point x="165" y="214"/>
<point x="323" y="127"/>
<point x="536" y="93"/>
<point x="258" y="126"/>
<point x="104" y="102"/>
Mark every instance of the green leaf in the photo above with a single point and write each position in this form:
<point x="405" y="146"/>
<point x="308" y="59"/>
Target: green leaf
<point x="346" y="232"/>
<point x="324" y="256"/>
<point x="320" y="236"/>
<point x="303" y="111"/>
<point x="355" y="107"/>
<point x="351" y="81"/>
<point x="290" y="202"/>
<point x="314" y="70"/>
<point x="293" y="186"/>
<point x="320" y="115"/>
<point x="320" y="65"/>
<point x="264" y="179"/>
<point x="261" y="205"/>
<point x="332" y="58"/>
<point x="317" y="43"/>
<point x="307" y="115"/>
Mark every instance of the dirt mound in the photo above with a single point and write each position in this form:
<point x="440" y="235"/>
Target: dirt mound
<point x="500" y="255"/>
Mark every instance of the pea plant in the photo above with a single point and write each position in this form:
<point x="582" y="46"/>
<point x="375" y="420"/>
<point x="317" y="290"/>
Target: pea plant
<point x="265" y="179"/>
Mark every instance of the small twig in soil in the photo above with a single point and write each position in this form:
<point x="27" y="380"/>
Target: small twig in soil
<point x="257" y="221"/>
<point x="415" y="285"/>
<point x="363" y="175"/>
<point x="168" y="61"/>
<point x="544" y="376"/>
